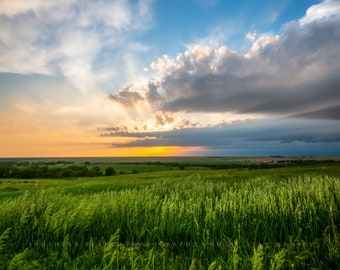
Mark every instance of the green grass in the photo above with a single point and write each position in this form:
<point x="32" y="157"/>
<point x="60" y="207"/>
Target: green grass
<point x="284" y="218"/>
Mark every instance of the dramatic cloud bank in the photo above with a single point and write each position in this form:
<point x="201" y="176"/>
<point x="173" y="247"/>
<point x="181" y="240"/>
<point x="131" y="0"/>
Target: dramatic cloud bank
<point x="295" y="73"/>
<point x="286" y="81"/>
<point x="270" y="137"/>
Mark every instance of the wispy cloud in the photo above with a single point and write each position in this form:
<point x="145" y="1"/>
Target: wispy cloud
<point x="273" y="16"/>
<point x="66" y="37"/>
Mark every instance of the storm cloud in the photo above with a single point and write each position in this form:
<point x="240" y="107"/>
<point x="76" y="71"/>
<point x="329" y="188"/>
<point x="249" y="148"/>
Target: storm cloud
<point x="293" y="74"/>
<point x="263" y="137"/>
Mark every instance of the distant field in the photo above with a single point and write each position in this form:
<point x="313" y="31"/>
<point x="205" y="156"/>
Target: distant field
<point x="199" y="159"/>
<point x="167" y="217"/>
<point x="150" y="164"/>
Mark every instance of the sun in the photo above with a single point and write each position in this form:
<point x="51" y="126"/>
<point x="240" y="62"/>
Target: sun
<point x="160" y="150"/>
<point x="157" y="151"/>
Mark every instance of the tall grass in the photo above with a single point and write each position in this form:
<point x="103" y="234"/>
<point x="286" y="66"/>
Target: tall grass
<point x="175" y="223"/>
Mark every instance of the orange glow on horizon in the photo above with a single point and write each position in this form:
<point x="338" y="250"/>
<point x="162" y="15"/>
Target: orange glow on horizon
<point x="95" y="150"/>
<point x="20" y="136"/>
<point x="140" y="151"/>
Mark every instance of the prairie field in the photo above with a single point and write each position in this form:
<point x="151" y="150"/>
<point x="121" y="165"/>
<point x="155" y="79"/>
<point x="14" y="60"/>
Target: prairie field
<point x="173" y="217"/>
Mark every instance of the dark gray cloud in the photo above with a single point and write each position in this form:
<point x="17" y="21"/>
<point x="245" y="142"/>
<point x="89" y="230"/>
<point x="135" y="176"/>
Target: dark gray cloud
<point x="252" y="137"/>
<point x="127" y="97"/>
<point x="281" y="131"/>
<point x="326" y="113"/>
<point x="152" y="94"/>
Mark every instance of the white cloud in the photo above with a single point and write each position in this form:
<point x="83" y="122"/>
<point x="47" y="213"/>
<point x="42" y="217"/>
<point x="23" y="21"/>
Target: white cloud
<point x="17" y="7"/>
<point x="163" y="64"/>
<point x="259" y="43"/>
<point x="77" y="51"/>
<point x="324" y="10"/>
<point x="66" y="37"/>
<point x="116" y="14"/>
<point x="251" y="36"/>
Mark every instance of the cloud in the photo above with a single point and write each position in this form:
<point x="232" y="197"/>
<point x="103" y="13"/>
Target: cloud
<point x="322" y="11"/>
<point x="164" y="118"/>
<point x="251" y="36"/>
<point x="13" y="8"/>
<point x="280" y="96"/>
<point x="273" y="16"/>
<point x="66" y="37"/>
<point x="126" y="97"/>
<point x="275" y="135"/>
<point x="115" y="131"/>
<point x="332" y="113"/>
<point x="289" y="74"/>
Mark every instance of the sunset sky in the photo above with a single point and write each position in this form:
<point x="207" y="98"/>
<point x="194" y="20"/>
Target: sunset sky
<point x="169" y="77"/>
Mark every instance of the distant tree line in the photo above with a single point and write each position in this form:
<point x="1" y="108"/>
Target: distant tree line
<point x="18" y="162"/>
<point x="237" y="165"/>
<point x="36" y="171"/>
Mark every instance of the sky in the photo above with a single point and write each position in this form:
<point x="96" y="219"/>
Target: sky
<point x="174" y="78"/>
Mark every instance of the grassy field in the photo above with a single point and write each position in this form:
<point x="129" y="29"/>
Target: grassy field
<point x="170" y="218"/>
